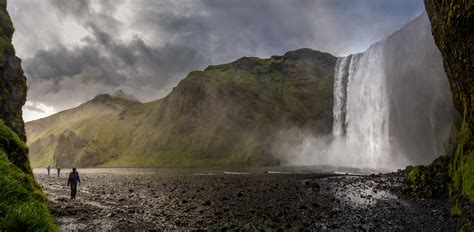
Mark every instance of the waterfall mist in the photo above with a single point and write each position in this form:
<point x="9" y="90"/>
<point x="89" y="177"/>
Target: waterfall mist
<point x="392" y="107"/>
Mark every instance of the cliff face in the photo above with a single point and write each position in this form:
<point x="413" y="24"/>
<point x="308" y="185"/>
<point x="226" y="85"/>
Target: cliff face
<point x="453" y="31"/>
<point x="12" y="92"/>
<point x="12" y="82"/>
<point x="453" y="27"/>
<point x="22" y="205"/>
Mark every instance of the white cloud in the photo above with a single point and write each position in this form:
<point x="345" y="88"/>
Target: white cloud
<point x="35" y="110"/>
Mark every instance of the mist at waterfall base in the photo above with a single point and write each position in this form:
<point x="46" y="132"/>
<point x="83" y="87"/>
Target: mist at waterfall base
<point x="392" y="107"/>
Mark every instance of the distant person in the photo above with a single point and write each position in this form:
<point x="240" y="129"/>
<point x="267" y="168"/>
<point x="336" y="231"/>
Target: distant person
<point x="72" y="181"/>
<point x="49" y="169"/>
<point x="59" y="170"/>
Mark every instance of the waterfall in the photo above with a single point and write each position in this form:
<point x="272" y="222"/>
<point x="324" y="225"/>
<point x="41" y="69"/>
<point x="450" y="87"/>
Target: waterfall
<point x="361" y="108"/>
<point x="392" y="107"/>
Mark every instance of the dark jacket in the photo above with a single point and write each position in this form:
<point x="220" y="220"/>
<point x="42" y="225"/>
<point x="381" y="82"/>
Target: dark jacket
<point x="73" y="178"/>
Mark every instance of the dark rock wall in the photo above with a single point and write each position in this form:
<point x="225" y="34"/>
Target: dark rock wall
<point x="453" y="30"/>
<point x="12" y="81"/>
<point x="12" y="96"/>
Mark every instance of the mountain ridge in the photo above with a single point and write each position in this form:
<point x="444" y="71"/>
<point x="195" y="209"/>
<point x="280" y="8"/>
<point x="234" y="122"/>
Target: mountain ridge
<point x="224" y="114"/>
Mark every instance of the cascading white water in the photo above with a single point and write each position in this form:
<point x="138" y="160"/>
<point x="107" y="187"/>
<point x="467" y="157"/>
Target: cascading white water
<point x="361" y="108"/>
<point x="339" y="96"/>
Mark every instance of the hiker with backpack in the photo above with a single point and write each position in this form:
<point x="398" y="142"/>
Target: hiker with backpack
<point x="72" y="181"/>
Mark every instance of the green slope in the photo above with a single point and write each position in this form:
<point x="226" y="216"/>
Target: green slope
<point x="225" y="115"/>
<point x="53" y="140"/>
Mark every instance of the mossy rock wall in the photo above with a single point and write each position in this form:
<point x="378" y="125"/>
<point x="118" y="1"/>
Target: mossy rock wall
<point x="452" y="23"/>
<point x="453" y="31"/>
<point x="12" y="81"/>
<point x="22" y="202"/>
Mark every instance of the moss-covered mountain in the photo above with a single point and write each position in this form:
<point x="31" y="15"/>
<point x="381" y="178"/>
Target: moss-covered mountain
<point x="227" y="114"/>
<point x="22" y="203"/>
<point x="453" y="31"/>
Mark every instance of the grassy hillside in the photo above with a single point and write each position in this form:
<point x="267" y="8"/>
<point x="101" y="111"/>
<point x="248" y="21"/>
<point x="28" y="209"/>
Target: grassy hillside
<point x="225" y="115"/>
<point x="54" y="138"/>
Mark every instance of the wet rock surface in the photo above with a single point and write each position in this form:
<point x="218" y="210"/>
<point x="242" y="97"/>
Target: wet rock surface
<point x="270" y="201"/>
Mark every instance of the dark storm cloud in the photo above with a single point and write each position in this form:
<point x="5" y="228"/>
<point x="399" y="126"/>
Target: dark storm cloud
<point x="110" y="62"/>
<point x="151" y="45"/>
<point x="103" y="59"/>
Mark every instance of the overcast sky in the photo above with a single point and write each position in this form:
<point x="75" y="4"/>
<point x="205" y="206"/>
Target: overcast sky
<point x="73" y="50"/>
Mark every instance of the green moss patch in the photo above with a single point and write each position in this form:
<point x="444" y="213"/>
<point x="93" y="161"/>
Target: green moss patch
<point x="461" y="168"/>
<point x="468" y="178"/>
<point x="455" y="210"/>
<point x="15" y="149"/>
<point x="430" y="181"/>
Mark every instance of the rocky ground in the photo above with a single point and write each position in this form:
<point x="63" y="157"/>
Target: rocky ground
<point x="183" y="200"/>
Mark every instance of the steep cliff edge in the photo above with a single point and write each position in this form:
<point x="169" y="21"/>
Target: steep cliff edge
<point x="13" y="82"/>
<point x="453" y="27"/>
<point x="22" y="202"/>
<point x="12" y="87"/>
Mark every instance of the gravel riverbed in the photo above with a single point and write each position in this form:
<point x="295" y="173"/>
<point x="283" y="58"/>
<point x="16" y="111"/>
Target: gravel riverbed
<point x="122" y="199"/>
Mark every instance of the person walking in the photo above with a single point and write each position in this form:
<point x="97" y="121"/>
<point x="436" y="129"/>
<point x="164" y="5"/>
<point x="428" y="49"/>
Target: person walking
<point x="59" y="170"/>
<point x="72" y="181"/>
<point x="49" y="169"/>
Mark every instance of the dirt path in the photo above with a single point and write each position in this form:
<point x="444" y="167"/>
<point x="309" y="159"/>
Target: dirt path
<point x="230" y="200"/>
